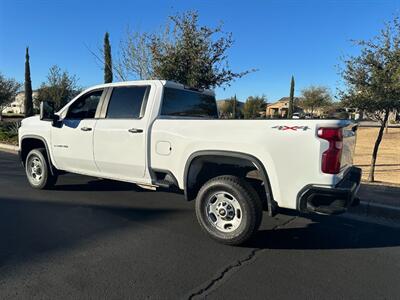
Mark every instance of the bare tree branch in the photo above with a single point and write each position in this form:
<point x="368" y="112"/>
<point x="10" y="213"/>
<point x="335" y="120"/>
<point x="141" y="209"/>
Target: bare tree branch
<point x="99" y="58"/>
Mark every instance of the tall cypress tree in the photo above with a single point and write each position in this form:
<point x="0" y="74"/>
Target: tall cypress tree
<point x="234" y="107"/>
<point x="108" y="75"/>
<point x="291" y="99"/>
<point x="28" y="87"/>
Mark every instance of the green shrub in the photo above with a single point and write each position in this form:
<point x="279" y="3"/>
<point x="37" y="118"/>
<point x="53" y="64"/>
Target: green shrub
<point x="9" y="132"/>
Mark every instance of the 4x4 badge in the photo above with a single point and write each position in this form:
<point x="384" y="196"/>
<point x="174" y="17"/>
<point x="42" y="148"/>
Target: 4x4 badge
<point x="294" y="128"/>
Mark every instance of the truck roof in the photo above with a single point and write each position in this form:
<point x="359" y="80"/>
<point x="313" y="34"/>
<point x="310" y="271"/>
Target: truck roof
<point x="166" y="83"/>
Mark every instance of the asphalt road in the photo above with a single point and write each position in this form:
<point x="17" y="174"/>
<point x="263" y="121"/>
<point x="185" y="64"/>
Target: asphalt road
<point x="98" y="239"/>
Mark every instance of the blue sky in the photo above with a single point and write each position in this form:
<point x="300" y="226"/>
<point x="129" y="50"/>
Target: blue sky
<point x="280" y="38"/>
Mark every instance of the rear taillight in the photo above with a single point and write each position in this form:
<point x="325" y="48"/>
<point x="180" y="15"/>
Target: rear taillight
<point x="331" y="157"/>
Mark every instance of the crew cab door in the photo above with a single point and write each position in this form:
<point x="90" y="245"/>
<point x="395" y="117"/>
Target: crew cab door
<point x="120" y="134"/>
<point x="72" y="140"/>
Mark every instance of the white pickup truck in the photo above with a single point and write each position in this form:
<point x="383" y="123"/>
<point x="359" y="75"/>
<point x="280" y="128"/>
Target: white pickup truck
<point x="161" y="134"/>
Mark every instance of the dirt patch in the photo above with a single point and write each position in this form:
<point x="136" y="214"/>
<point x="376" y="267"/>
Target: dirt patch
<point x="388" y="161"/>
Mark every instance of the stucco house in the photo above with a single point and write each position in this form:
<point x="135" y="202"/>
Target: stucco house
<point x="17" y="107"/>
<point x="280" y="107"/>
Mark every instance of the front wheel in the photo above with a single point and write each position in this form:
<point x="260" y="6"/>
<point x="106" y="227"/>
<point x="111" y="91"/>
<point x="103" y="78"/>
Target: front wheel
<point x="38" y="170"/>
<point x="228" y="209"/>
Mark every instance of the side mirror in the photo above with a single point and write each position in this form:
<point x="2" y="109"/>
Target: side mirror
<point x="46" y="111"/>
<point x="56" y="121"/>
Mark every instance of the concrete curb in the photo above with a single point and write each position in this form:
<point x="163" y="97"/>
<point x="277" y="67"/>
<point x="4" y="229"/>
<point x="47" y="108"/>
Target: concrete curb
<point x="9" y="148"/>
<point x="372" y="214"/>
<point x="377" y="209"/>
<point x="379" y="204"/>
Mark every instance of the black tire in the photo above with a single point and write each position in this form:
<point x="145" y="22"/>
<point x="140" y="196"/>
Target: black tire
<point x="45" y="179"/>
<point x="249" y="203"/>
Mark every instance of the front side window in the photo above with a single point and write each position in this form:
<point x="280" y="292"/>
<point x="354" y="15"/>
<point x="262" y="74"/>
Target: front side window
<point x="185" y="103"/>
<point x="85" y="107"/>
<point x="126" y="102"/>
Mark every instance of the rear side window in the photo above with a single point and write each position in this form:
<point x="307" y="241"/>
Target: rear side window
<point x="85" y="107"/>
<point x="188" y="104"/>
<point x="126" y="102"/>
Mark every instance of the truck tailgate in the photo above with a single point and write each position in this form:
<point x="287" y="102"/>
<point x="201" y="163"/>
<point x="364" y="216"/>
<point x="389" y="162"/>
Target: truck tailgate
<point x="349" y="143"/>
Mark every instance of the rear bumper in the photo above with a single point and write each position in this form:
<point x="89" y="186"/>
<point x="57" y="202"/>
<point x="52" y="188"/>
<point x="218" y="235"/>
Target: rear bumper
<point x="331" y="200"/>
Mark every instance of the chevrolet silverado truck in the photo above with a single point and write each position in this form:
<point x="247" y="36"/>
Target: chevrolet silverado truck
<point x="164" y="135"/>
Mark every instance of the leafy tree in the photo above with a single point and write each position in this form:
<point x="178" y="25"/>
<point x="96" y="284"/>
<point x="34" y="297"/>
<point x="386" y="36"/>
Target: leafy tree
<point x="373" y="79"/>
<point x="253" y="106"/>
<point x="108" y="73"/>
<point x="291" y="99"/>
<point x="9" y="88"/>
<point x="28" y="101"/>
<point x="60" y="87"/>
<point x="185" y="52"/>
<point x="315" y="97"/>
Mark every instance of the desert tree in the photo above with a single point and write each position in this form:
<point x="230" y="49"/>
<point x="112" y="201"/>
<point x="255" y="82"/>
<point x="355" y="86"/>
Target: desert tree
<point x="187" y="52"/>
<point x="372" y="79"/>
<point x="253" y="107"/>
<point x="315" y="97"/>
<point x="60" y="87"/>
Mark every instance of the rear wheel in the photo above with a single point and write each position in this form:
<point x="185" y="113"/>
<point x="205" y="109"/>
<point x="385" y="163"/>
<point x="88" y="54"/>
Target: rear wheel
<point x="228" y="209"/>
<point x="38" y="170"/>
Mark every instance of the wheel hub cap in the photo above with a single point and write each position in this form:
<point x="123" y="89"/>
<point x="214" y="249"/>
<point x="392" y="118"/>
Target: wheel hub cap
<point x="35" y="170"/>
<point x="224" y="212"/>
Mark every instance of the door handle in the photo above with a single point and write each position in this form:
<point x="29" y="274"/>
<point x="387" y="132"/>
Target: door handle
<point x="86" y="129"/>
<point x="135" y="130"/>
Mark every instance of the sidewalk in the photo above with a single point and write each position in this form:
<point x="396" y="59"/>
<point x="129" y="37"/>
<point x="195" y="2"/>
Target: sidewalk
<point x="8" y="148"/>
<point x="376" y="124"/>
<point x="379" y="203"/>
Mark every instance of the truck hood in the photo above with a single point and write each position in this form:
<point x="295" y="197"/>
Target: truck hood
<point x="30" y="120"/>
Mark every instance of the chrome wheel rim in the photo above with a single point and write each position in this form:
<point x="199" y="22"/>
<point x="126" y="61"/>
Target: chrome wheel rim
<point x="224" y="212"/>
<point x="35" y="170"/>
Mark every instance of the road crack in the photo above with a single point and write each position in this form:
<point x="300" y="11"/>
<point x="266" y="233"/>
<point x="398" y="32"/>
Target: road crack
<point x="233" y="267"/>
<point x="223" y="274"/>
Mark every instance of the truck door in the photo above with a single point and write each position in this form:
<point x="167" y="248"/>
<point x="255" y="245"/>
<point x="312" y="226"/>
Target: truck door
<point x="120" y="137"/>
<point x="72" y="141"/>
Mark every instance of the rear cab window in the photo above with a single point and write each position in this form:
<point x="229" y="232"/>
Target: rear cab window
<point x="187" y="103"/>
<point x="127" y="102"/>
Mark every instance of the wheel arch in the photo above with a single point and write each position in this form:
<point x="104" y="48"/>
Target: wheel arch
<point x="192" y="170"/>
<point x="29" y="142"/>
